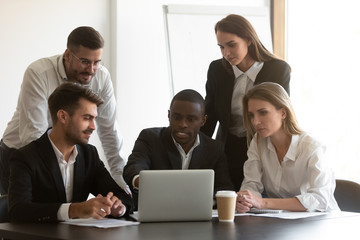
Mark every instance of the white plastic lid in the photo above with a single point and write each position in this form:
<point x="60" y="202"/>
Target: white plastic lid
<point x="226" y="194"/>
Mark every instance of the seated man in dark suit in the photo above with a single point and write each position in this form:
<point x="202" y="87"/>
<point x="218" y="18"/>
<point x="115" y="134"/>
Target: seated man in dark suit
<point x="179" y="146"/>
<point x="51" y="178"/>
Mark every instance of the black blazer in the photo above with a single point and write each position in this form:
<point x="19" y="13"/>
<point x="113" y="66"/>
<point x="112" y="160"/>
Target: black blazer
<point x="155" y="150"/>
<point x="36" y="186"/>
<point x="220" y="87"/>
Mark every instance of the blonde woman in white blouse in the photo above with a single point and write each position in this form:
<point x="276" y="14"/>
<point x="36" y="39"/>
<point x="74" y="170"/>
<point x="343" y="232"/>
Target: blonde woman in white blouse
<point x="285" y="163"/>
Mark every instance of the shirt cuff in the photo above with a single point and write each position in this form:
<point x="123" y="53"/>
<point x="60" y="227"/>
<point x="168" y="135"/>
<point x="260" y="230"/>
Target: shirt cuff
<point x="63" y="212"/>
<point x="309" y="202"/>
<point x="133" y="181"/>
<point x="123" y="213"/>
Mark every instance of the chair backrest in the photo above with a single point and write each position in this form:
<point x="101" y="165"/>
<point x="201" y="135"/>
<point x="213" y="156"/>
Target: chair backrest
<point x="4" y="209"/>
<point x="347" y="195"/>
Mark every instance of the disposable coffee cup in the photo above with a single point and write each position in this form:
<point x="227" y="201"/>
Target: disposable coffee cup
<point x="226" y="201"/>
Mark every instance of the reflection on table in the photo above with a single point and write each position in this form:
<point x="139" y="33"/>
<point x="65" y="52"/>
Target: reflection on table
<point x="341" y="225"/>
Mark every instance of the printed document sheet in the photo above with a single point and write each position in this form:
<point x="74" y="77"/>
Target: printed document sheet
<point x="282" y="214"/>
<point x="102" y="223"/>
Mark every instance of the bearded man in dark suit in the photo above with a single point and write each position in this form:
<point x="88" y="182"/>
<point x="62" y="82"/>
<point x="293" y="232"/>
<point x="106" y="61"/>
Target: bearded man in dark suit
<point x="51" y="178"/>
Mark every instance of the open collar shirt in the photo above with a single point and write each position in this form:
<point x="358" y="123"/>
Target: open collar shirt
<point x="303" y="173"/>
<point x="186" y="157"/>
<point x="67" y="173"/>
<point x="243" y="82"/>
<point x="32" y="118"/>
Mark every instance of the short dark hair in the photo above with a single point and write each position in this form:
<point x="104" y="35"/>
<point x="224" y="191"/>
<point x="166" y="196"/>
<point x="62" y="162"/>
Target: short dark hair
<point x="189" y="95"/>
<point x="85" y="36"/>
<point x="67" y="97"/>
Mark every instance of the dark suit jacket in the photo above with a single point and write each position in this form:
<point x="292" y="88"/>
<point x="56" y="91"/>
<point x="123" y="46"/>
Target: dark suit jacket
<point x="155" y="150"/>
<point x="220" y="87"/>
<point x="36" y="186"/>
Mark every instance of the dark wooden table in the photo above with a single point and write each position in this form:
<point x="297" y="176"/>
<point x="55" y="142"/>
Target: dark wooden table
<point x="339" y="226"/>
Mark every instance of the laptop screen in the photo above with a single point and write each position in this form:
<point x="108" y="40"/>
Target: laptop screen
<point x="175" y="195"/>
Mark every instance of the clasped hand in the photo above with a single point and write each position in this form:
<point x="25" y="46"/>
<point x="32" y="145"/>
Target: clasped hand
<point x="98" y="207"/>
<point x="246" y="200"/>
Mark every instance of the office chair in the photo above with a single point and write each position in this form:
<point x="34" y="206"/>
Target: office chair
<point x="347" y="195"/>
<point x="4" y="209"/>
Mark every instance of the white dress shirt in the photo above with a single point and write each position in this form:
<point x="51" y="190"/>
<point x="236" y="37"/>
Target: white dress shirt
<point x="32" y="118"/>
<point x="242" y="83"/>
<point x="185" y="158"/>
<point x="67" y="173"/>
<point x="303" y="173"/>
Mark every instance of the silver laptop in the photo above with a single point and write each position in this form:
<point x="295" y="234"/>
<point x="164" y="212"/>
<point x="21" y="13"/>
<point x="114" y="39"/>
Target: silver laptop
<point x="175" y="195"/>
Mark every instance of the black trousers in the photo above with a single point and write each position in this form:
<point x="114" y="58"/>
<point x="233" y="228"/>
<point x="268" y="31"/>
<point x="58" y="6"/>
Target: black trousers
<point x="236" y="153"/>
<point x="5" y="153"/>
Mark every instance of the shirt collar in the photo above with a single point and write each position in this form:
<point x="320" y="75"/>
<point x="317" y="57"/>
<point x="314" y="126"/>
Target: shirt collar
<point x="252" y="72"/>
<point x="291" y="153"/>
<point x="196" y="143"/>
<point x="61" y="67"/>
<point x="59" y="155"/>
<point x="237" y="71"/>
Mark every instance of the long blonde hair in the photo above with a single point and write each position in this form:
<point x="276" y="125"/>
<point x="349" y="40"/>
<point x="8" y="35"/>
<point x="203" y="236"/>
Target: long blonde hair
<point x="278" y="97"/>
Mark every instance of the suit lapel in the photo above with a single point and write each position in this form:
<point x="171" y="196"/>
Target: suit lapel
<point x="79" y="174"/>
<point x="173" y="153"/>
<point x="225" y="97"/>
<point x="48" y="156"/>
<point x="198" y="156"/>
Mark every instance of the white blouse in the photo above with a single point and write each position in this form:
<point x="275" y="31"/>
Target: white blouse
<point x="303" y="173"/>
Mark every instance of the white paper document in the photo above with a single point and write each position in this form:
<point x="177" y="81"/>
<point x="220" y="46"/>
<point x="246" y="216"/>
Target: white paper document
<point x="262" y="210"/>
<point x="291" y="215"/>
<point x="215" y="213"/>
<point x="281" y="214"/>
<point x="102" y="223"/>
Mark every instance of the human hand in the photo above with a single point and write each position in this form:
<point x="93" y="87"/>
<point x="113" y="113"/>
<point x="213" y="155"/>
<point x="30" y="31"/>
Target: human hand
<point x="246" y="200"/>
<point x="97" y="208"/>
<point x="242" y="206"/>
<point x="118" y="208"/>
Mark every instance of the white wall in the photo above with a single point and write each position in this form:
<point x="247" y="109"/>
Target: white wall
<point x="39" y="28"/>
<point x="134" y="43"/>
<point x="143" y="91"/>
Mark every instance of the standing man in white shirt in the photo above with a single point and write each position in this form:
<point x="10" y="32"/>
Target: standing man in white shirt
<point x="80" y="63"/>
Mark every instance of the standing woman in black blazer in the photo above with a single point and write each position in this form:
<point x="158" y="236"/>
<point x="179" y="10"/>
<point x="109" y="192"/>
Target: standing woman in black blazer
<point x="246" y="62"/>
